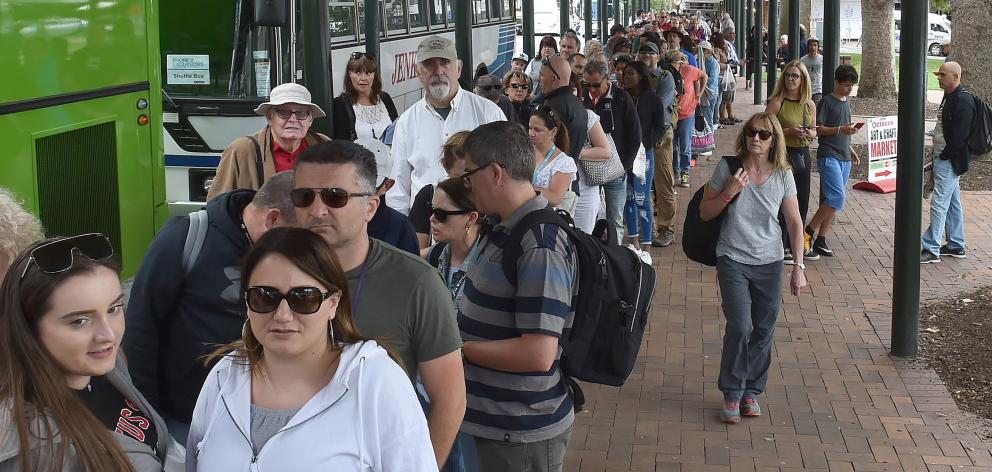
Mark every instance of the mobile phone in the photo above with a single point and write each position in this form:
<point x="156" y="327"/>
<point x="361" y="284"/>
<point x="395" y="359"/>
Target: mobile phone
<point x="859" y="125"/>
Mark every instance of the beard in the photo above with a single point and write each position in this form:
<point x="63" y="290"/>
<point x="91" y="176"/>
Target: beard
<point x="439" y="87"/>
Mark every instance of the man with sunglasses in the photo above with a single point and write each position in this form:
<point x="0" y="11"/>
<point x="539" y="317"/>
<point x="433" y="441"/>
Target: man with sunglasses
<point x="394" y="295"/>
<point x="250" y="160"/>
<point x="422" y="129"/>
<point x="490" y="87"/>
<point x="181" y="309"/>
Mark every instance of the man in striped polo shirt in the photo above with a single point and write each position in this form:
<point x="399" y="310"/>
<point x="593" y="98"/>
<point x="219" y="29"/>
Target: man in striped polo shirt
<point x="519" y="410"/>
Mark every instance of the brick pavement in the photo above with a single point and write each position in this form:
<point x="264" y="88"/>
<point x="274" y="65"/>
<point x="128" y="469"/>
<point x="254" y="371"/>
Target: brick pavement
<point x="835" y="399"/>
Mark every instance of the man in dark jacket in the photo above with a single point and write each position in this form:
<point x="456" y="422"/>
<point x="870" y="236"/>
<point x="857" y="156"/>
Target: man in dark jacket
<point x="618" y="116"/>
<point x="554" y="78"/>
<point x="950" y="148"/>
<point x="176" y="314"/>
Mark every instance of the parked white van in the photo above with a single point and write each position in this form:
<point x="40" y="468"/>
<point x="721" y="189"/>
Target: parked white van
<point x="938" y="33"/>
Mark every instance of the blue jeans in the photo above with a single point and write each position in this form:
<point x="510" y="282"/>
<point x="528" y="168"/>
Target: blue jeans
<point x="683" y="145"/>
<point x="637" y="211"/>
<point x="945" y="209"/>
<point x="616" y="198"/>
<point x="462" y="457"/>
<point x="715" y="108"/>
<point x="751" y="297"/>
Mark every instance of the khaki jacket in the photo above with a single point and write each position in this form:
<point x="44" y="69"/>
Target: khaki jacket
<point x="237" y="163"/>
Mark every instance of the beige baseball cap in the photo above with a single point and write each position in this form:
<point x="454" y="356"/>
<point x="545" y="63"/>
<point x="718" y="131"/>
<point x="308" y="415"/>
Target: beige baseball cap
<point x="436" y="46"/>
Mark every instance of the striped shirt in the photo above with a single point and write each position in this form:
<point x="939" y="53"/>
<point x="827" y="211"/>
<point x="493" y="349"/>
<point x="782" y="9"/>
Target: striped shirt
<point x="515" y="406"/>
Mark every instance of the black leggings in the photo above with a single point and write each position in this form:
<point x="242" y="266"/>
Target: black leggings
<point x="800" y="162"/>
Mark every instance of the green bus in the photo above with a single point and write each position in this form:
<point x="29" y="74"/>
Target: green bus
<point x="80" y="114"/>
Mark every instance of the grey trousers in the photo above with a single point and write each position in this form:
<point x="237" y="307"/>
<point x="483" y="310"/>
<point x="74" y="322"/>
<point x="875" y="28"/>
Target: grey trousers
<point x="540" y="456"/>
<point x="752" y="297"/>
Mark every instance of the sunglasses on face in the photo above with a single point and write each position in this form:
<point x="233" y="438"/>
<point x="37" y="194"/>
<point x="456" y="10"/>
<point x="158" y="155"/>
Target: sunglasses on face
<point x="57" y="256"/>
<point x="441" y="214"/>
<point x="792" y="76"/>
<point x="519" y="86"/>
<point x="592" y="85"/>
<point x="302" y="300"/>
<point x="489" y="87"/>
<point x="333" y="197"/>
<point x="285" y="114"/>
<point x="547" y="63"/>
<point x="762" y="134"/>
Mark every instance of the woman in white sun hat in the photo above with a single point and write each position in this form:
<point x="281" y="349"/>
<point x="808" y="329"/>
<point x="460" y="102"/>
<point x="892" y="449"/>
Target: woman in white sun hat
<point x="250" y="160"/>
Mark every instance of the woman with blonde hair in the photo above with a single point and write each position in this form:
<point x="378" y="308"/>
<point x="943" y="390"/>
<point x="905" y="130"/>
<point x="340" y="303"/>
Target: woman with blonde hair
<point x="18" y="229"/>
<point x="792" y="103"/>
<point x="517" y="87"/>
<point x="749" y="257"/>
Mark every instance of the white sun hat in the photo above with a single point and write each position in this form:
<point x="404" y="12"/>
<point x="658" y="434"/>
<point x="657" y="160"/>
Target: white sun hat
<point x="290" y="93"/>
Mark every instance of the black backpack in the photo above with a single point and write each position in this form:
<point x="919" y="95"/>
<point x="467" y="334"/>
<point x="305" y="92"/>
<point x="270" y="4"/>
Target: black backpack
<point x="980" y="139"/>
<point x="611" y="307"/>
<point x="699" y="238"/>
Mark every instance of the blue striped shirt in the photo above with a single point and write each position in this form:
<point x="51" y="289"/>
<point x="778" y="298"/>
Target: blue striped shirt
<point x="515" y="406"/>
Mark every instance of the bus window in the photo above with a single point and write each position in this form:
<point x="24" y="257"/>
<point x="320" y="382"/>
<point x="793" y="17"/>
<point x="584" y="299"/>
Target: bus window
<point x="342" y="13"/>
<point x="507" y="9"/>
<point x="395" y="15"/>
<point x="418" y="15"/>
<point x="437" y="14"/>
<point x="450" y="12"/>
<point x="495" y="9"/>
<point x="481" y="11"/>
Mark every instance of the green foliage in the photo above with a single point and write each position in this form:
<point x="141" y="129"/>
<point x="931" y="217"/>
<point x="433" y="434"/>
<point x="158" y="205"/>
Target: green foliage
<point x="940" y="5"/>
<point x="662" y="5"/>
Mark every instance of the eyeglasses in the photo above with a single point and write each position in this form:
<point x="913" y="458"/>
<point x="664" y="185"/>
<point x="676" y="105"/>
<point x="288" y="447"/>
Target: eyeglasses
<point x="646" y="51"/>
<point x="762" y="134"/>
<point x="302" y="300"/>
<point x="57" y="256"/>
<point x="360" y="54"/>
<point x="590" y="85"/>
<point x="547" y="63"/>
<point x="441" y="214"/>
<point x="489" y="87"/>
<point x="333" y="197"/>
<point x="300" y="114"/>
<point x="520" y="86"/>
<point x="467" y="177"/>
<point x="792" y="76"/>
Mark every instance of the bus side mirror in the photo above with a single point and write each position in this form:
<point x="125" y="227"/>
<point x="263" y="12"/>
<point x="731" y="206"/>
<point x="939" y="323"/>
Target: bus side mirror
<point x="271" y="12"/>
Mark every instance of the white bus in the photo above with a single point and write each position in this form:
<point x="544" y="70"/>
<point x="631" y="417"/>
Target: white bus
<point x="239" y="63"/>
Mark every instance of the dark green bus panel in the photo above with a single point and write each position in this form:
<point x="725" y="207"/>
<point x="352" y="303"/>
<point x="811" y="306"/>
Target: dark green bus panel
<point x="80" y="117"/>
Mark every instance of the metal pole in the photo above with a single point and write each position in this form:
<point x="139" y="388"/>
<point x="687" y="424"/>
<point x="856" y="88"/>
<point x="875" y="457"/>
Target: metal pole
<point x="742" y="51"/>
<point x="463" y="40"/>
<point x="743" y="19"/>
<point x="563" y="17"/>
<point x="317" y="60"/>
<point x="587" y="9"/>
<point x="831" y="43"/>
<point x="372" y="25"/>
<point x="759" y="51"/>
<point x="794" y="38"/>
<point x="909" y="180"/>
<point x="772" y="45"/>
<point x="603" y="18"/>
<point x="527" y="10"/>
<point x="293" y="31"/>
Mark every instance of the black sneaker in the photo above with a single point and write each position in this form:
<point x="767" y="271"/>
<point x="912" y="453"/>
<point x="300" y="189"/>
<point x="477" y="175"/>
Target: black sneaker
<point x="820" y="246"/>
<point x="810" y="255"/>
<point x="788" y="259"/>
<point x="958" y="253"/>
<point x="927" y="257"/>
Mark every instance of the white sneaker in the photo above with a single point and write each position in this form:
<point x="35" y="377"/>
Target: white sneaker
<point x="645" y="257"/>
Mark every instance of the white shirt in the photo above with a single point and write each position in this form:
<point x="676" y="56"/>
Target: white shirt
<point x="371" y="120"/>
<point x="366" y="419"/>
<point x="561" y="163"/>
<point x="417" y="139"/>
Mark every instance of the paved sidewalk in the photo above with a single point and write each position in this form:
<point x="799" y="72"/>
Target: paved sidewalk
<point x="835" y="401"/>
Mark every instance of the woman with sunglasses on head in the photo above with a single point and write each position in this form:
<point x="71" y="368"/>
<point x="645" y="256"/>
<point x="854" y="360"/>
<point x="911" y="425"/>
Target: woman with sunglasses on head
<point x="363" y="110"/>
<point x="516" y="86"/>
<point x="792" y="103"/>
<point x="554" y="170"/>
<point x="67" y="402"/>
<point x="453" y="162"/>
<point x="251" y="160"/>
<point x="303" y="390"/>
<point x="749" y="257"/>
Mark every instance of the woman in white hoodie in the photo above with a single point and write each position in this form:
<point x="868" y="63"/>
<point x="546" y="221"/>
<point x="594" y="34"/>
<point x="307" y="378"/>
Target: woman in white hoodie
<point x="303" y="390"/>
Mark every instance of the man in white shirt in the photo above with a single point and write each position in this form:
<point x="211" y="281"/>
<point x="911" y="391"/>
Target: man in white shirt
<point x="424" y="127"/>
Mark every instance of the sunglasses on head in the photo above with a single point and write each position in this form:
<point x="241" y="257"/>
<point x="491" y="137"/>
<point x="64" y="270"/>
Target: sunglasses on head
<point x="359" y="55"/>
<point x="547" y="63"/>
<point x="57" y="256"/>
<point x="519" y="86"/>
<point x="285" y="114"/>
<point x="302" y="300"/>
<point x="762" y="134"/>
<point x="441" y="214"/>
<point x="333" y="197"/>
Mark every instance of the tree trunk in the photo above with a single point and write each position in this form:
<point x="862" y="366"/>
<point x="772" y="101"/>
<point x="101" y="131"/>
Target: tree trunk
<point x="970" y="27"/>
<point x="806" y="16"/>
<point x="878" y="63"/>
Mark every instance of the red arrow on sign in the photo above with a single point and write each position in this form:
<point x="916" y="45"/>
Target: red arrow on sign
<point x="884" y="173"/>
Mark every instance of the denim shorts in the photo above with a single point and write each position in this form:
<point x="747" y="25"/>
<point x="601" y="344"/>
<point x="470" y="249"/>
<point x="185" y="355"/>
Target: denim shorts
<point x="833" y="181"/>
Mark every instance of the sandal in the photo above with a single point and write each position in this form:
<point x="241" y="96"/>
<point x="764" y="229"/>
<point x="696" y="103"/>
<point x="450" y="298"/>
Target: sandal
<point x="737" y="120"/>
<point x="727" y="122"/>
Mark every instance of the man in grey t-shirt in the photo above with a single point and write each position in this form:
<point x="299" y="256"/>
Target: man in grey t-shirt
<point x="814" y="65"/>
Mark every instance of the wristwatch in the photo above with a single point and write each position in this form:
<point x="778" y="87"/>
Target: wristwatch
<point x="801" y="266"/>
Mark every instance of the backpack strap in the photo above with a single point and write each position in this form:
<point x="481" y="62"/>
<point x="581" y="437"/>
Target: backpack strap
<point x="512" y="250"/>
<point x="195" y="236"/>
<point x="434" y="256"/>
<point x="259" y="167"/>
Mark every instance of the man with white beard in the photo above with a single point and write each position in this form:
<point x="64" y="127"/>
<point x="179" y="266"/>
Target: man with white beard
<point x="424" y="127"/>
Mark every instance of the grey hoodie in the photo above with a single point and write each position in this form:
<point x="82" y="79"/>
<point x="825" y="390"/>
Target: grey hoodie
<point x="142" y="456"/>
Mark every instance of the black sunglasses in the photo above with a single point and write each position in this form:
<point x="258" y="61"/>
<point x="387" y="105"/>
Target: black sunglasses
<point x="762" y="134"/>
<point x="547" y="63"/>
<point x="489" y="87"/>
<point x="520" y="86"/>
<point x="333" y="197"/>
<point x="590" y="85"/>
<point x="57" y="256"/>
<point x="300" y="114"/>
<point x="359" y="55"/>
<point x="441" y="214"/>
<point x="302" y="300"/>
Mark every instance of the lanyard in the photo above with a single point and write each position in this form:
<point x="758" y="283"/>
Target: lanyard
<point x="544" y="164"/>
